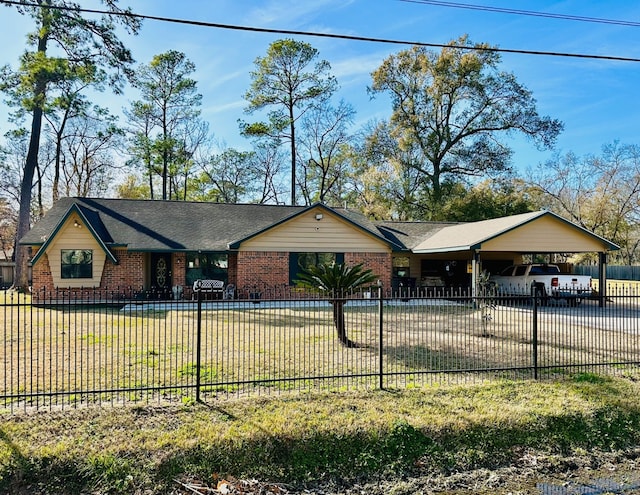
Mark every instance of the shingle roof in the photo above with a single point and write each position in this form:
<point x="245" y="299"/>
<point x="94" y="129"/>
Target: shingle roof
<point x="410" y="234"/>
<point x="147" y="225"/>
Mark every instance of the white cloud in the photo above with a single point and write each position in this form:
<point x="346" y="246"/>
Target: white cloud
<point x="232" y="105"/>
<point x="286" y="14"/>
<point x="360" y="65"/>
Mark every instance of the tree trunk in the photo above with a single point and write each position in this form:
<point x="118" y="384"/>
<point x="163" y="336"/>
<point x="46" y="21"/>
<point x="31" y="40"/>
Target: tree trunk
<point x="292" y="128"/>
<point x="21" y="276"/>
<point x="338" y="319"/>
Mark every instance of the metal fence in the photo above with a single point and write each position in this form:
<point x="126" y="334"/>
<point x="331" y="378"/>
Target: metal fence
<point x="614" y="272"/>
<point x="66" y="349"/>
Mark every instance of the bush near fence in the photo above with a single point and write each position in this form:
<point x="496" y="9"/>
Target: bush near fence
<point x="101" y="348"/>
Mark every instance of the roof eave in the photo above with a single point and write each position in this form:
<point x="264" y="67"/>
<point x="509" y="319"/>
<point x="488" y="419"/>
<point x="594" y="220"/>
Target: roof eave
<point x="443" y="249"/>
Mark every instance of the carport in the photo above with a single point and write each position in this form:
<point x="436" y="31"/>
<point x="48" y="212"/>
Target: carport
<point x="539" y="232"/>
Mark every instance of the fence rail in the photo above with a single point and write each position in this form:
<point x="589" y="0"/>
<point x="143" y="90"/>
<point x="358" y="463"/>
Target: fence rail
<point x="62" y="351"/>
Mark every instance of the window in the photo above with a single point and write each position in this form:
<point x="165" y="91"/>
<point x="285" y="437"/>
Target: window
<point x="76" y="263"/>
<point x="544" y="270"/>
<point x="207" y="266"/>
<point x="401" y="266"/>
<point x="521" y="271"/>
<point x="300" y="261"/>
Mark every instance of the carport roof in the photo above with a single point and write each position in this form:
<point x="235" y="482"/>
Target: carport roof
<point x="473" y="235"/>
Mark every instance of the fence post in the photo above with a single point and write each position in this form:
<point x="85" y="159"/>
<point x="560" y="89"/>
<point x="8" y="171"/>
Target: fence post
<point x="381" y="335"/>
<point x="534" y="340"/>
<point x="198" y="338"/>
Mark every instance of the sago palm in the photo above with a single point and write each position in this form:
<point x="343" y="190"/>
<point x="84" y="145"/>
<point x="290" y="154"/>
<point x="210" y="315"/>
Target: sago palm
<point x="337" y="280"/>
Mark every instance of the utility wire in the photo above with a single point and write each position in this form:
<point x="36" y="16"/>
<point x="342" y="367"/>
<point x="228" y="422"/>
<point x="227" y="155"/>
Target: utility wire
<point x="532" y="13"/>
<point x="321" y="35"/>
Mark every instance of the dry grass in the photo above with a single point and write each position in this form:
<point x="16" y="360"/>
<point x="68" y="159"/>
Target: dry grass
<point x="260" y="349"/>
<point x="321" y="437"/>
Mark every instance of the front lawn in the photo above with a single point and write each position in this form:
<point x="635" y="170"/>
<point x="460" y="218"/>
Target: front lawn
<point x="335" y="438"/>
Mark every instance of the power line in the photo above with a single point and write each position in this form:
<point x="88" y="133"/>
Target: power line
<point x="533" y="13"/>
<point x="322" y="35"/>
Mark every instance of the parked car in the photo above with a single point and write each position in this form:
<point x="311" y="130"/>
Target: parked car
<point x="543" y="280"/>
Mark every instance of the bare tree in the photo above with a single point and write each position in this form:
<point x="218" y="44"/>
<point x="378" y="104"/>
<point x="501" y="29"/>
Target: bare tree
<point x="323" y="150"/>
<point x="89" y="153"/>
<point x="268" y="165"/>
<point x="68" y="103"/>
<point x="191" y="138"/>
<point x="389" y="185"/>
<point x="599" y="193"/>
<point x="12" y="165"/>
<point x="8" y="222"/>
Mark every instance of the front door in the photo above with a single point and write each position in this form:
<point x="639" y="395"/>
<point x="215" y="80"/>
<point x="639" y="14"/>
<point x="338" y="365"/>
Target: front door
<point x="161" y="273"/>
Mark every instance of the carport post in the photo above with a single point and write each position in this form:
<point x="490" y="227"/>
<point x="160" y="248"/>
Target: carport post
<point x="475" y="276"/>
<point x="602" y="279"/>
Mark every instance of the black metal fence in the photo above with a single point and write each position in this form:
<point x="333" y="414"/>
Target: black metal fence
<point x="65" y="349"/>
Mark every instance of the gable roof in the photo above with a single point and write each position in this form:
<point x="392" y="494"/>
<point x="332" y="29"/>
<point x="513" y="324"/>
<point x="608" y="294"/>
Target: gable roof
<point x="169" y="226"/>
<point x="149" y="225"/>
<point x="93" y="223"/>
<point x="164" y="226"/>
<point x="355" y="219"/>
<point x="472" y="235"/>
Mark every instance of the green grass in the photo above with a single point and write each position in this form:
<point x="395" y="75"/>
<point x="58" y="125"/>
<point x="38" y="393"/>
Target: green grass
<point x="293" y="439"/>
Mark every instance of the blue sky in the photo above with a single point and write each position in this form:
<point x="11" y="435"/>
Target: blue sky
<point x="597" y="100"/>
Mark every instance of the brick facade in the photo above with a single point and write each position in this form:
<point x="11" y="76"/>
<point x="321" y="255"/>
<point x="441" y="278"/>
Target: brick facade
<point x="262" y="270"/>
<point x="248" y="271"/>
<point x="127" y="277"/>
<point x="379" y="263"/>
<point x="129" y="272"/>
<point x="41" y="277"/>
<point x="232" y="274"/>
<point x="179" y="269"/>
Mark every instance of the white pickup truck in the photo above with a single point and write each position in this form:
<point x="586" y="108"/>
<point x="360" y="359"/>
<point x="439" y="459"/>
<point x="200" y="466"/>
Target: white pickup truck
<point x="542" y="280"/>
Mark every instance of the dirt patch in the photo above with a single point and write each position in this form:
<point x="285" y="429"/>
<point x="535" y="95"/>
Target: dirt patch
<point x="589" y="474"/>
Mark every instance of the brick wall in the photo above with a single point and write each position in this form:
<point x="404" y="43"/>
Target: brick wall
<point x="379" y="263"/>
<point x="41" y="278"/>
<point x="247" y="270"/>
<point x="271" y="269"/>
<point x="232" y="274"/>
<point x="262" y="270"/>
<point x="129" y="272"/>
<point x="178" y="269"/>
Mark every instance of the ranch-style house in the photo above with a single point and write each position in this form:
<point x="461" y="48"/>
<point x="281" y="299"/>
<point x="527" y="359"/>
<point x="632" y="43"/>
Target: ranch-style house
<point x="158" y="249"/>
